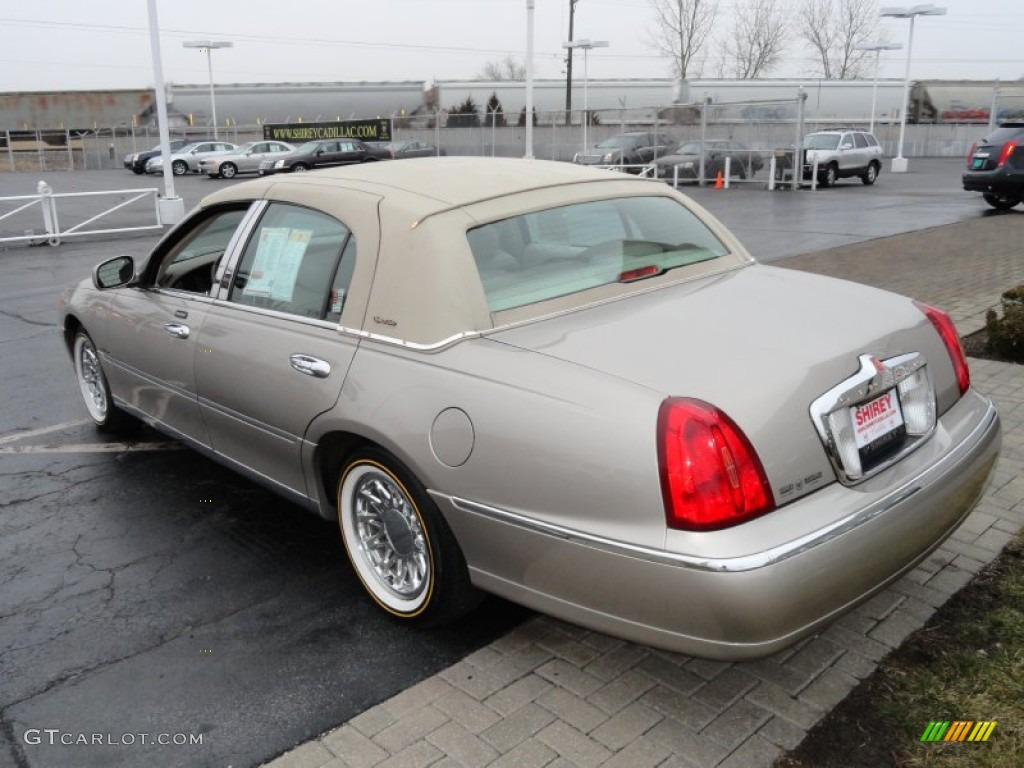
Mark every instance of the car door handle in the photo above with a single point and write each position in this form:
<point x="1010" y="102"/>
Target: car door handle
<point x="177" y="330"/>
<point x="311" y="366"/>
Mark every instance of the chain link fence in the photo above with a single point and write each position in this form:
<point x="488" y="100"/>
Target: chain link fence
<point x="760" y="127"/>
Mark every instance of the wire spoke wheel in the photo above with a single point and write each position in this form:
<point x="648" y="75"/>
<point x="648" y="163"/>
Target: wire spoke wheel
<point x="92" y="383"/>
<point x="398" y="542"/>
<point x="386" y="538"/>
<point x="90" y="379"/>
<point x="391" y="536"/>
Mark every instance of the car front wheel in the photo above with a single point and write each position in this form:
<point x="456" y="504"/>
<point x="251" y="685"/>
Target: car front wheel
<point x="92" y="383"/>
<point x="1002" y="201"/>
<point x="180" y="167"/>
<point x="300" y="167"/>
<point x="870" y="175"/>
<point x="228" y="170"/>
<point x="831" y="175"/>
<point x="399" y="544"/>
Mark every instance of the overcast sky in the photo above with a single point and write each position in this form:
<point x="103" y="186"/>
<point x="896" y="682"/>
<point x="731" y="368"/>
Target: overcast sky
<point x="63" y="45"/>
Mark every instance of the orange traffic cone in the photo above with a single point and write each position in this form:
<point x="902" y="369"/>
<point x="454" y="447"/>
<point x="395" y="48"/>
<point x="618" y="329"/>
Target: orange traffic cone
<point x="719" y="183"/>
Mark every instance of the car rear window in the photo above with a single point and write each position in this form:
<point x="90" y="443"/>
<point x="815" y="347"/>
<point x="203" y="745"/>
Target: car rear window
<point x="1002" y="134"/>
<point x="564" y="250"/>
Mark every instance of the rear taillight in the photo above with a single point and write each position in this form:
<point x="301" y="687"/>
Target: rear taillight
<point x="711" y="476"/>
<point x="944" y="325"/>
<point x="970" y="155"/>
<point x="1004" y="155"/>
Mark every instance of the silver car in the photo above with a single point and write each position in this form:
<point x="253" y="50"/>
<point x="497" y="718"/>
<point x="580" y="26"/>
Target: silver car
<point x="571" y="388"/>
<point x="186" y="159"/>
<point x="245" y="159"/>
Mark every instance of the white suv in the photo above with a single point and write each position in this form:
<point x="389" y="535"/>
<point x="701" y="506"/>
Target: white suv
<point x="840" y="154"/>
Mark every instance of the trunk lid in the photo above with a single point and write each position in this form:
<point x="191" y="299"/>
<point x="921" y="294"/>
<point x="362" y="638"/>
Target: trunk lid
<point x="760" y="343"/>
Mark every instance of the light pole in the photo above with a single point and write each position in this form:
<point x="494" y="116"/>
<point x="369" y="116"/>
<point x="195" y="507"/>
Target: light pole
<point x="208" y="46"/>
<point x="899" y="163"/>
<point x="586" y="45"/>
<point x="529" y="78"/>
<point x="877" y="48"/>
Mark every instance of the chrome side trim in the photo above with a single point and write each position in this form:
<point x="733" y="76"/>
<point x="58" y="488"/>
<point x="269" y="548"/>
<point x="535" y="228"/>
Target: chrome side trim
<point x="433" y="346"/>
<point x="758" y="559"/>
<point x="280" y="434"/>
<point x="312" y="321"/>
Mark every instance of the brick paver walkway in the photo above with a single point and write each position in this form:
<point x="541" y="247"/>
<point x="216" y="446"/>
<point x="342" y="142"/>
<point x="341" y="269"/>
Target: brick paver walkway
<point x="553" y="694"/>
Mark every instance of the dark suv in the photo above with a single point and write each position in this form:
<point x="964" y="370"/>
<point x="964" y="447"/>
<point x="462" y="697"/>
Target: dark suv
<point x="995" y="166"/>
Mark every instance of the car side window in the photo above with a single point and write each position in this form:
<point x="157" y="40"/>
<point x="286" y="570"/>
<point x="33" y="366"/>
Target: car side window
<point x="290" y="263"/>
<point x="859" y="141"/>
<point x="190" y="264"/>
<point x="872" y="141"/>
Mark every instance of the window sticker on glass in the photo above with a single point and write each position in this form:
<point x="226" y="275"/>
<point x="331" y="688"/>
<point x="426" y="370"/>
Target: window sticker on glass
<point x="337" y="300"/>
<point x="276" y="266"/>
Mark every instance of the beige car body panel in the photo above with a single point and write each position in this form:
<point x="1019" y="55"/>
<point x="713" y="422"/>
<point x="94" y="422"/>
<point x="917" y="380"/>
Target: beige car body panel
<point x="534" y="429"/>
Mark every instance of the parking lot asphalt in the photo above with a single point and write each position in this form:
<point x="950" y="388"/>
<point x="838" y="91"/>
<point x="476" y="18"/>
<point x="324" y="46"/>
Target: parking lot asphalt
<point x="149" y="591"/>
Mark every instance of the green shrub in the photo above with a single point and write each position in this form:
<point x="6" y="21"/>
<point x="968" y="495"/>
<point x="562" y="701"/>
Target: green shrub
<point x="1013" y="297"/>
<point x="1006" y="334"/>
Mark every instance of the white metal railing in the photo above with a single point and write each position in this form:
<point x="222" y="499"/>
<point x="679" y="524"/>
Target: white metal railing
<point x="47" y="199"/>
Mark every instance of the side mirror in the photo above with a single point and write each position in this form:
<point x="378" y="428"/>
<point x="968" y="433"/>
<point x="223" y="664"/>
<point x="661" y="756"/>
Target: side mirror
<point x="847" y="146"/>
<point x="114" y="273"/>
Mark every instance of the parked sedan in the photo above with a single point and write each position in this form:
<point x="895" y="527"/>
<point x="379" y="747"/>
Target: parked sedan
<point x="245" y="159"/>
<point x="404" y="149"/>
<point x="633" y="148"/>
<point x="136" y="161"/>
<point x="187" y="159"/>
<point x="684" y="162"/>
<point x="571" y="388"/>
<point x="324" y="154"/>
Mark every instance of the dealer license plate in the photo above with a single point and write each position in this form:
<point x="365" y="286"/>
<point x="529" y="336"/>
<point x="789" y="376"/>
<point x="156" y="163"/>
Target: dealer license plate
<point x="877" y="423"/>
<point x="978" y="162"/>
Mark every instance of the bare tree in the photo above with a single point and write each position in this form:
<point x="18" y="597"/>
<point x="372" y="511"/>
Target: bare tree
<point x="758" y="39"/>
<point x="682" y="28"/>
<point x="508" y="68"/>
<point x="833" y="29"/>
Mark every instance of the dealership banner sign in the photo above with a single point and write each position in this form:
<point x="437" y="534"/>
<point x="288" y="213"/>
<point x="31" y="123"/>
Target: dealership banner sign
<point x="377" y="129"/>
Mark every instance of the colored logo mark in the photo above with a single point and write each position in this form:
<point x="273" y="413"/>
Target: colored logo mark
<point x="958" y="730"/>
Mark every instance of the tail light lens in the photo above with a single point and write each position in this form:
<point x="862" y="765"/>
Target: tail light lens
<point x="1004" y="155"/>
<point x="944" y="325"/>
<point x="970" y="155"/>
<point x="711" y="476"/>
